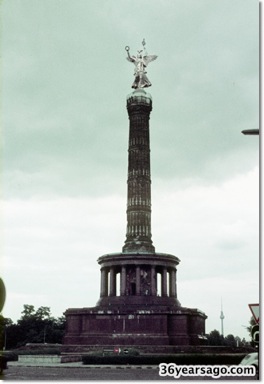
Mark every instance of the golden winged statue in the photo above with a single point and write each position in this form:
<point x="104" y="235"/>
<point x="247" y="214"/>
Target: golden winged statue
<point x="140" y="61"/>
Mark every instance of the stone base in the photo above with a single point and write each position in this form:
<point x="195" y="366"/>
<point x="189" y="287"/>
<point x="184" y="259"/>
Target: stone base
<point x="91" y="327"/>
<point x="140" y="313"/>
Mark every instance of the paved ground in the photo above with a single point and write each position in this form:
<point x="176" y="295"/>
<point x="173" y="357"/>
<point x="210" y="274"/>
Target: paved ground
<point x="81" y="372"/>
<point x="77" y="371"/>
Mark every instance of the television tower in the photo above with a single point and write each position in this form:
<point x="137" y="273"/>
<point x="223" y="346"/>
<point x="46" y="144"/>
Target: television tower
<point x="222" y="319"/>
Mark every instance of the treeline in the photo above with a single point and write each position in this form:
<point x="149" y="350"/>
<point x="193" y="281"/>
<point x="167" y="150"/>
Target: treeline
<point x="214" y="338"/>
<point x="34" y="326"/>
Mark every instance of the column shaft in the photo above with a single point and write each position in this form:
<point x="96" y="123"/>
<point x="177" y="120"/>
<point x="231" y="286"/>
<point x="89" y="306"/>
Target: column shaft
<point x="104" y="282"/>
<point x="164" y="291"/>
<point x="138" y="236"/>
<point x="153" y="281"/>
<point x="173" y="283"/>
<point x="123" y="281"/>
<point x="112" y="282"/>
<point x="137" y="280"/>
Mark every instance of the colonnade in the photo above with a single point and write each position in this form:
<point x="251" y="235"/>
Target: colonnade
<point x="134" y="285"/>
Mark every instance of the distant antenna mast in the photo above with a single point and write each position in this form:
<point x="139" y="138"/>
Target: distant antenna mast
<point x="222" y="319"/>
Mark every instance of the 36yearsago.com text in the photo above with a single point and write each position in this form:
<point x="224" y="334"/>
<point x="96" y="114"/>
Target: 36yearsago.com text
<point x="214" y="371"/>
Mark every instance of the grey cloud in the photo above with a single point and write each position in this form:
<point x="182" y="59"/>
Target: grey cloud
<point x="66" y="80"/>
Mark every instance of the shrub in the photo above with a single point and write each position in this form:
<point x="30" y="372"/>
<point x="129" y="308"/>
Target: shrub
<point x="10" y="355"/>
<point x="3" y="363"/>
<point x="39" y="351"/>
<point x="111" y="360"/>
<point x="179" y="359"/>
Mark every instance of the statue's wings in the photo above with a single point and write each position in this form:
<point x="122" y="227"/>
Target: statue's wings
<point x="149" y="58"/>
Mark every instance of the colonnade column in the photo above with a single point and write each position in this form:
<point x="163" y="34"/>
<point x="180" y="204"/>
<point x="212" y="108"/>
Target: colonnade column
<point x="109" y="275"/>
<point x="104" y="282"/>
<point x="112" y="282"/>
<point x="137" y="280"/>
<point x="123" y="281"/>
<point x="173" y="283"/>
<point x="153" y="282"/>
<point x="164" y="282"/>
<point x="176" y="294"/>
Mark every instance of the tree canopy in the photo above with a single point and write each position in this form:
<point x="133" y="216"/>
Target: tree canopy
<point x="34" y="326"/>
<point x="216" y="339"/>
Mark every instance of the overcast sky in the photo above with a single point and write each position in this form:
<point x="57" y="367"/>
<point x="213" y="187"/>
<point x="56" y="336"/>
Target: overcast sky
<point x="65" y="79"/>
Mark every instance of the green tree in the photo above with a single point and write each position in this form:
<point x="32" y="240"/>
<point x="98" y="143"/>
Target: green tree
<point x="43" y="313"/>
<point x="230" y="341"/>
<point x="35" y="326"/>
<point x="4" y="324"/>
<point x="27" y="312"/>
<point x="214" y="338"/>
<point x="252" y="322"/>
